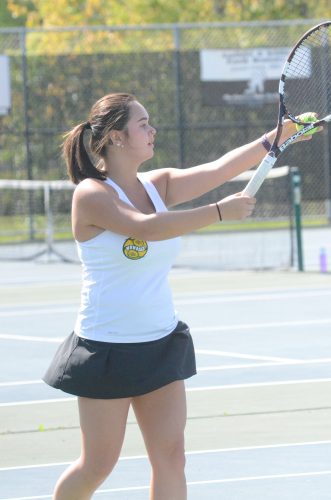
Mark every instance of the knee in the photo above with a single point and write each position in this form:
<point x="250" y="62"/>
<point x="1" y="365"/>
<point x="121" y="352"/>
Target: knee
<point x="82" y="479"/>
<point x="97" y="471"/>
<point x="170" y="457"/>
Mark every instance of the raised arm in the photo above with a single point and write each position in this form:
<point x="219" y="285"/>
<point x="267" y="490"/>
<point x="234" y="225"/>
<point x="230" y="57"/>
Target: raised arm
<point x="181" y="185"/>
<point x="97" y="206"/>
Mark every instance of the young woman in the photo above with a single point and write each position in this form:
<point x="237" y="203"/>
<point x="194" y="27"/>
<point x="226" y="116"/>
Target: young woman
<point x="128" y="346"/>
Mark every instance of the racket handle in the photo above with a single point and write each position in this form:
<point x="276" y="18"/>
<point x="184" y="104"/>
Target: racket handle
<point x="259" y="175"/>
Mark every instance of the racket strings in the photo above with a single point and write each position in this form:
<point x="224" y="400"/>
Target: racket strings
<point x="308" y="75"/>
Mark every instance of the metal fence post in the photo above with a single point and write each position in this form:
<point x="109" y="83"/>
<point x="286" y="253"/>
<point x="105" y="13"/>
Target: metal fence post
<point x="26" y="104"/>
<point x="296" y="197"/>
<point x="27" y="127"/>
<point x="178" y="100"/>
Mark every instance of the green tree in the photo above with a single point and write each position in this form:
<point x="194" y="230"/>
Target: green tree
<point x="62" y="13"/>
<point x="251" y="10"/>
<point x="7" y="19"/>
<point x="91" y="12"/>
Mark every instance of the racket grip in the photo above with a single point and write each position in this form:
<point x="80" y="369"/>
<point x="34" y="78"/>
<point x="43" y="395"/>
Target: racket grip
<point x="259" y="175"/>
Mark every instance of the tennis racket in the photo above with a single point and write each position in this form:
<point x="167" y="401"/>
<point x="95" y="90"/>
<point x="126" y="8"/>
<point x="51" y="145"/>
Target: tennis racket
<point x="305" y="81"/>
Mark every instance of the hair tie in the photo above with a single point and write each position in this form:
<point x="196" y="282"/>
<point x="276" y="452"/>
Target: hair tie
<point x="87" y="126"/>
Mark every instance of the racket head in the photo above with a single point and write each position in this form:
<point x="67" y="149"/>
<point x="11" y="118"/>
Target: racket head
<point x="305" y="84"/>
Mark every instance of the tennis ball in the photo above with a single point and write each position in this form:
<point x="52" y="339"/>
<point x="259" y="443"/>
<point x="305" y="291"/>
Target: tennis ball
<point x="307" y="117"/>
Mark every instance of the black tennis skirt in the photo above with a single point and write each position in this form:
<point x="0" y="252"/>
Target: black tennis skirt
<point x="109" y="370"/>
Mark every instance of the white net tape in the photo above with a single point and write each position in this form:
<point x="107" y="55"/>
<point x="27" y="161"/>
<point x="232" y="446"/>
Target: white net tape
<point x="35" y="223"/>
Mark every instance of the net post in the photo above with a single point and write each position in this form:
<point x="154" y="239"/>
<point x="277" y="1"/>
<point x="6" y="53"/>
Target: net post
<point x="49" y="222"/>
<point x="296" y="199"/>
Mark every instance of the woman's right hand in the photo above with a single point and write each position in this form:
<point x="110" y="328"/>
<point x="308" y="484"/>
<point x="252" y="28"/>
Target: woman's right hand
<point x="236" y="207"/>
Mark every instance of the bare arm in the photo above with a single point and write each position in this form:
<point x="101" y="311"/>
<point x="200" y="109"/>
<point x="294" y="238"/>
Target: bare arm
<point x="181" y="185"/>
<point x="96" y="205"/>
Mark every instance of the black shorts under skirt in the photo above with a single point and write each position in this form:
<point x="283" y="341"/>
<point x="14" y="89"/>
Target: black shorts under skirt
<point x="109" y="370"/>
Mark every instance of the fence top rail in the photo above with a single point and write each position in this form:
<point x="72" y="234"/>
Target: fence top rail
<point x="165" y="26"/>
<point x="26" y="184"/>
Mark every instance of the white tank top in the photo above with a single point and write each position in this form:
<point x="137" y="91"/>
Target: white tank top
<point x="125" y="295"/>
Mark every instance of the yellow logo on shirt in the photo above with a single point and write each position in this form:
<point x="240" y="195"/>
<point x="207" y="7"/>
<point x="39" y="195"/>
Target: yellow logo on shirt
<point x="135" y="249"/>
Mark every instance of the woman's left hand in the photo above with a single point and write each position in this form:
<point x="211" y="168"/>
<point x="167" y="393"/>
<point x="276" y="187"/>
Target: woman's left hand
<point x="289" y="128"/>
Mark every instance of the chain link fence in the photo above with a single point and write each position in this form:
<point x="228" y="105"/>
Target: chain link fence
<point x="57" y="74"/>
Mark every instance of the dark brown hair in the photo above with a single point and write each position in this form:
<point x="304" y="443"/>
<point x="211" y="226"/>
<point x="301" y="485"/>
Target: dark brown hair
<point x="111" y="112"/>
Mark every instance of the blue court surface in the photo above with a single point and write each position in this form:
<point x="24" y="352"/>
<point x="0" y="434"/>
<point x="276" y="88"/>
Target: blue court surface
<point x="273" y="472"/>
<point x="259" y="410"/>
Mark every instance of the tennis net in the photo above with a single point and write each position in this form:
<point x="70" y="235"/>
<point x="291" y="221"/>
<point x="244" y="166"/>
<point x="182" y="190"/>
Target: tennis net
<point x="35" y="224"/>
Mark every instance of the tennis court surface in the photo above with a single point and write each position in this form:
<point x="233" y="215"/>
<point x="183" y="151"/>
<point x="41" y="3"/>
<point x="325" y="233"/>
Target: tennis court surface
<point x="259" y="410"/>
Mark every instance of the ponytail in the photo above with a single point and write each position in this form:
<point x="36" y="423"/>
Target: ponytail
<point x="79" y="164"/>
<point x="111" y="112"/>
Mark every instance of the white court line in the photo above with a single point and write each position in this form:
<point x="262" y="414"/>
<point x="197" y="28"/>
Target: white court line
<point x="37" y="312"/>
<point x="39" y="497"/>
<point x="259" y="384"/>
<point x="32" y="338"/>
<point x="202" y="329"/>
<point x="38" y="401"/>
<point x="188" y="389"/>
<point x="187" y="453"/>
<point x="263" y="365"/>
<point x="18" y="383"/>
<point x="281" y="364"/>
<point x="213" y="352"/>
<point x="198" y="483"/>
<point x="210" y="299"/>
<point x="250" y="297"/>
<point x="225" y="480"/>
<point x="250" y="326"/>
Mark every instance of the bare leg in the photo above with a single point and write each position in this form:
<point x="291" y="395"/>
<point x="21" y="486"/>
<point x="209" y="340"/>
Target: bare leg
<point x="161" y="415"/>
<point x="103" y="423"/>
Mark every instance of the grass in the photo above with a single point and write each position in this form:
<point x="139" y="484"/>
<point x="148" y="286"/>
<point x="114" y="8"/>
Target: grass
<point x="262" y="225"/>
<point x="16" y="229"/>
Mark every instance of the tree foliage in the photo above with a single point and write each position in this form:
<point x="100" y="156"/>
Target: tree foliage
<point x="255" y="10"/>
<point x="7" y="19"/>
<point x="46" y="13"/>
<point x="110" y="13"/>
<point x="63" y="64"/>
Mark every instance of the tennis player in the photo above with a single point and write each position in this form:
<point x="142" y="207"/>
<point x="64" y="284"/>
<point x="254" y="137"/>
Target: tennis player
<point x="129" y="348"/>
